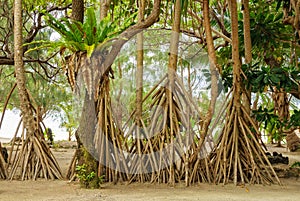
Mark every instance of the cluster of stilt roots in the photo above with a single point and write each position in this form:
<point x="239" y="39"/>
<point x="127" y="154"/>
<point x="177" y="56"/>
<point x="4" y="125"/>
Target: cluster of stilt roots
<point x="238" y="155"/>
<point x="29" y="157"/>
<point x="3" y="171"/>
<point x="164" y="145"/>
<point x="167" y="146"/>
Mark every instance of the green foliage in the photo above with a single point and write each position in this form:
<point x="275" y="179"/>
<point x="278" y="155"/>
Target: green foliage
<point x="76" y="36"/>
<point x="295" y="119"/>
<point x="227" y="76"/>
<point x="85" y="176"/>
<point x="278" y="77"/>
<point x="46" y="93"/>
<point x="266" y="26"/>
<point x="295" y="165"/>
<point x="33" y="5"/>
<point x="270" y="122"/>
<point x="268" y="36"/>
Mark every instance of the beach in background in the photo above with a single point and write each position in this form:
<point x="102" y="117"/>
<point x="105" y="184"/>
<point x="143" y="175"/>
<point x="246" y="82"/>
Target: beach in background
<point x="12" y="119"/>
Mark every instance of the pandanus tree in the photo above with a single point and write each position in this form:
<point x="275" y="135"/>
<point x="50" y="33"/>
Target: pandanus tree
<point x="238" y="156"/>
<point x="91" y="58"/>
<point x="34" y="157"/>
<point x="82" y="63"/>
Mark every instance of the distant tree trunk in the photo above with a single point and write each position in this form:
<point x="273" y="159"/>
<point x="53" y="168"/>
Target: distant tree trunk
<point x="172" y="67"/>
<point x="281" y="109"/>
<point x="70" y="134"/>
<point x="104" y="7"/>
<point x="139" y="89"/>
<point x="293" y="141"/>
<point x="246" y="96"/>
<point x="78" y="10"/>
<point x="212" y="65"/>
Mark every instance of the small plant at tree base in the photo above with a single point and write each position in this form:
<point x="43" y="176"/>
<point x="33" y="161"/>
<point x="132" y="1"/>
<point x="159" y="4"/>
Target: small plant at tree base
<point x="296" y="164"/>
<point x="86" y="177"/>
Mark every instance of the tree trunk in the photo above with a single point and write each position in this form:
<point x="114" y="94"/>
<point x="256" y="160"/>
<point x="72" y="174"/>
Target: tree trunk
<point x="78" y="10"/>
<point x="246" y="96"/>
<point x="104" y="7"/>
<point x="139" y="89"/>
<point x="27" y="113"/>
<point x="235" y="54"/>
<point x="212" y="66"/>
<point x="247" y="36"/>
<point x="172" y="67"/>
<point x="86" y="129"/>
<point x="34" y="157"/>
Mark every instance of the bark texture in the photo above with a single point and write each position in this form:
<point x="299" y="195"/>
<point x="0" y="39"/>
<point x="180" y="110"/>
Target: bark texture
<point x="104" y="7"/>
<point x="27" y="113"/>
<point x="78" y="10"/>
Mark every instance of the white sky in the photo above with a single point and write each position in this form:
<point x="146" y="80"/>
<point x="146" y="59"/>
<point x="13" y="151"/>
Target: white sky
<point x="12" y="118"/>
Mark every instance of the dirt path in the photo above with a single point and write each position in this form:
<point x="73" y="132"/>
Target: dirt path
<point x="64" y="191"/>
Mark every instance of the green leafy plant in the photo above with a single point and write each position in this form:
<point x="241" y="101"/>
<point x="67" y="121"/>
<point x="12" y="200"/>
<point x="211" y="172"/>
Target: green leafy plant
<point x="85" y="177"/>
<point x="296" y="164"/>
<point x="278" y="77"/>
<point x="295" y="119"/>
<point x="270" y="122"/>
<point x="85" y="37"/>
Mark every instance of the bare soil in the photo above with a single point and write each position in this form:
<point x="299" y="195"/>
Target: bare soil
<point x="42" y="190"/>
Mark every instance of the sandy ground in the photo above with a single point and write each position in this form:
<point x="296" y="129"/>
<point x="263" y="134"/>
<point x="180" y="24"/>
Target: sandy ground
<point x="64" y="191"/>
<point x="42" y="190"/>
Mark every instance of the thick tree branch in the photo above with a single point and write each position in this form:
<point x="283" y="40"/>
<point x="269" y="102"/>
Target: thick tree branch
<point x="128" y="34"/>
<point x="34" y="30"/>
<point x="6" y="61"/>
